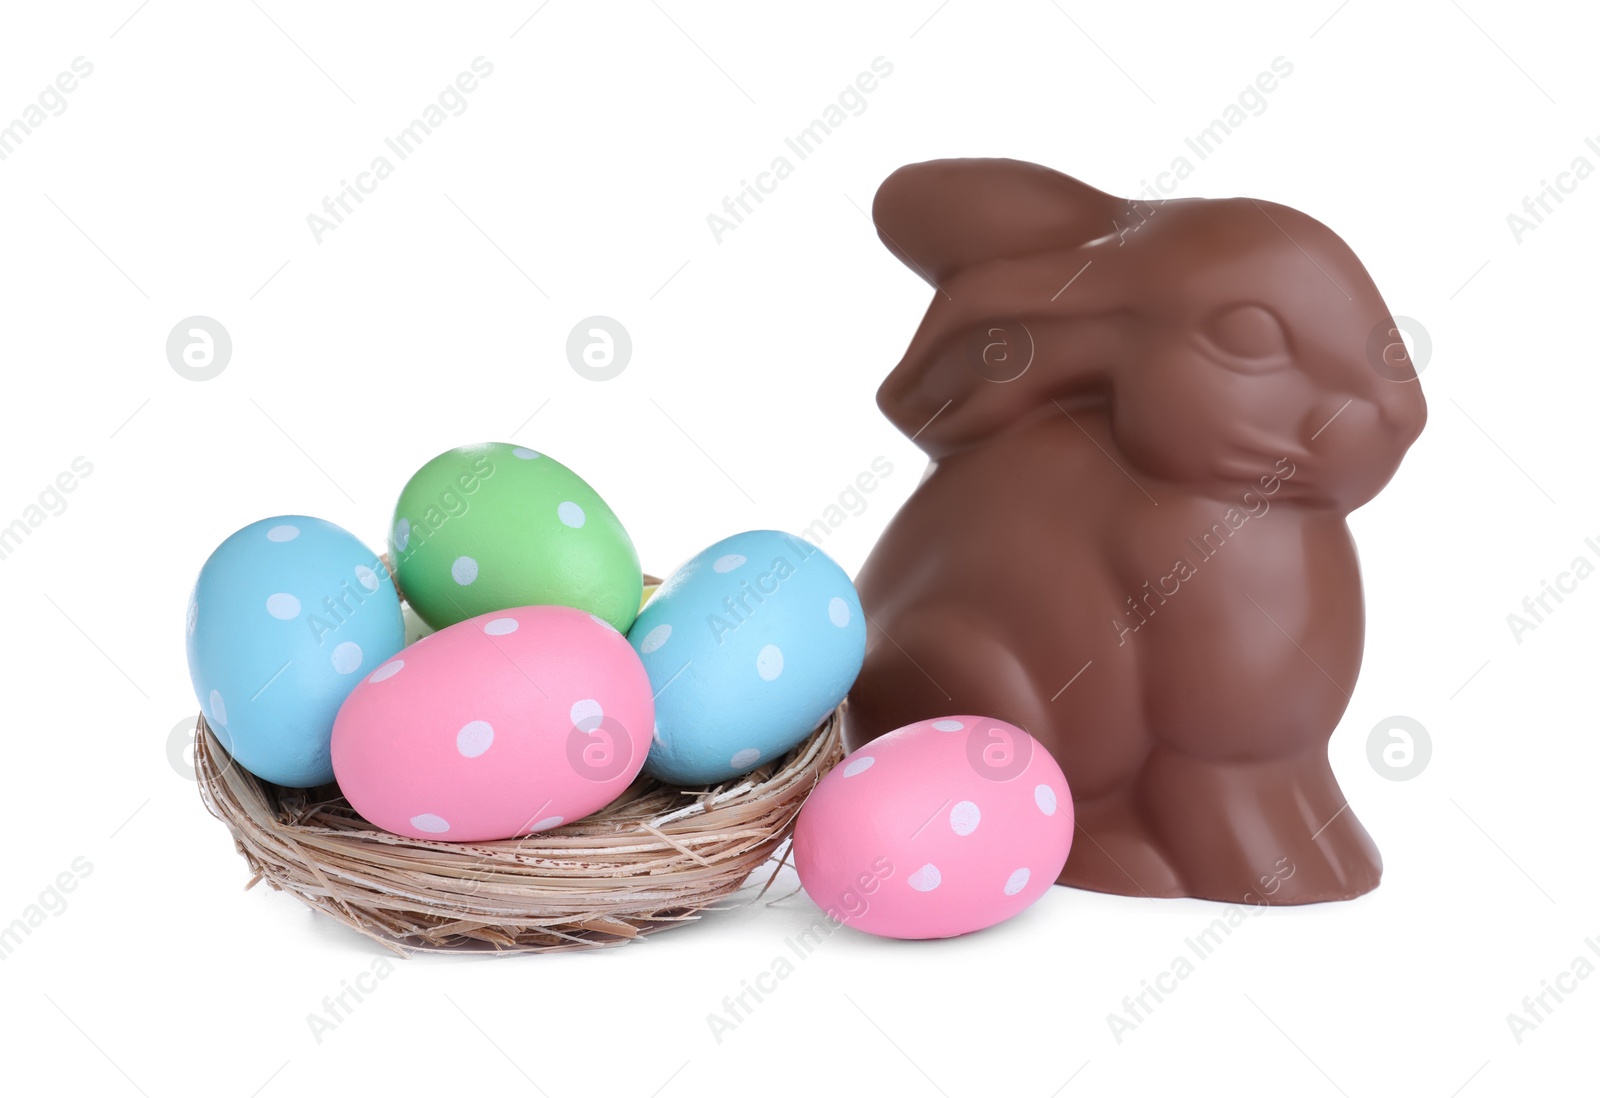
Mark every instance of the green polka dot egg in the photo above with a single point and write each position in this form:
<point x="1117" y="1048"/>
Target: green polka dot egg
<point x="495" y="526"/>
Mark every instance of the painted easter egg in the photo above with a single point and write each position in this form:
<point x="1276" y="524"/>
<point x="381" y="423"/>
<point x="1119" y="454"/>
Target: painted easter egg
<point x="939" y="828"/>
<point x="494" y="526"/>
<point x="286" y="617"/>
<point x="508" y="723"/>
<point x="749" y="645"/>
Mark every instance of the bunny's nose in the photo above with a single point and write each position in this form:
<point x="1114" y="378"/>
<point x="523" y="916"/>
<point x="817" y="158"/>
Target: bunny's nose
<point x="1403" y="410"/>
<point x="1392" y="416"/>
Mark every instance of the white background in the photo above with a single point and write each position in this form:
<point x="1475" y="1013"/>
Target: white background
<point x="177" y="182"/>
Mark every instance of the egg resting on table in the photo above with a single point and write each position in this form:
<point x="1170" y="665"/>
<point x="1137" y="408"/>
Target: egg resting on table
<point x="939" y="828"/>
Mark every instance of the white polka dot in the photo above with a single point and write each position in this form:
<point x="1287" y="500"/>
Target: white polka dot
<point x="1017" y="881"/>
<point x="347" y="657"/>
<point x="524" y="453"/>
<point x="925" y="879"/>
<point x="433" y="825"/>
<point x="655" y="731"/>
<point x="499" y="627"/>
<point x="655" y="638"/>
<point x="283" y="533"/>
<point x="769" y="662"/>
<point x="402" y="534"/>
<point x="570" y="514"/>
<point x="839" y="612"/>
<point x="587" y="715"/>
<point x="366" y="577"/>
<point x="964" y="818"/>
<point x="598" y="620"/>
<point x="474" y="738"/>
<point x="194" y="615"/>
<point x="548" y="822"/>
<point x="464" y="570"/>
<point x="219" y="712"/>
<point x="747" y="757"/>
<point x="727" y="563"/>
<point x="948" y="726"/>
<point x="283" y="607"/>
<point x="1045" y="798"/>
<point x="856" y="766"/>
<point x="387" y="671"/>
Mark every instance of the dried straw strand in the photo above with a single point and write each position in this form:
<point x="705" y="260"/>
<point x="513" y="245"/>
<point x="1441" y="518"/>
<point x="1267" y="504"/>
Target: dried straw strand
<point x="655" y="858"/>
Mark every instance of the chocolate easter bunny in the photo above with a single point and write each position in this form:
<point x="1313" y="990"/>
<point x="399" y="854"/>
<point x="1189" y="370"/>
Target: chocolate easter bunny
<point x="1146" y="424"/>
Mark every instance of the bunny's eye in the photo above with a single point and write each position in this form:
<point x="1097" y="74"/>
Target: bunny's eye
<point x="1247" y="338"/>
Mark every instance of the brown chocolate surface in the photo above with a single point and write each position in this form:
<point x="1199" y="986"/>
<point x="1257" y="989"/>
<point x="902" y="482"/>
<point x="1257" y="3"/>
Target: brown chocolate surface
<point x="1146" y="424"/>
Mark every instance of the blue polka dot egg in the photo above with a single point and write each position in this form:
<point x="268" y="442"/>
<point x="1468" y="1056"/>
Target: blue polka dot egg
<point x="749" y="645"/>
<point x="286" y="617"/>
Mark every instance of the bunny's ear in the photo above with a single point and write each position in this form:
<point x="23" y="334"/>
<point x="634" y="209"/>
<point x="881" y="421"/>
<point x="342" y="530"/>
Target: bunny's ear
<point x="941" y="216"/>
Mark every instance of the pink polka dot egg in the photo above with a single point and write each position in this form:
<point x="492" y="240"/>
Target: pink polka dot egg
<point x="936" y="829"/>
<point x="508" y="723"/>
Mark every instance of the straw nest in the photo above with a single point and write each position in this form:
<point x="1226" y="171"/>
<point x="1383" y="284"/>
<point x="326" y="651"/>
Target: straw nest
<point x="653" y="859"/>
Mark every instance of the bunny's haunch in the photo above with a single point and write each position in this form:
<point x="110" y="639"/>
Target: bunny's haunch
<point x="1170" y="385"/>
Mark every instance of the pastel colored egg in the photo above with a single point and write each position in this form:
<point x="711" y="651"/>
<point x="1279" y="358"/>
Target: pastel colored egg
<point x="494" y="526"/>
<point x="649" y="591"/>
<point x="936" y="829"/>
<point x="749" y="645"/>
<point x="286" y="616"/>
<point x="508" y="723"/>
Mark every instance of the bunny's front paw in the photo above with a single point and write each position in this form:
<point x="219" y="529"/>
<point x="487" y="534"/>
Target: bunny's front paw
<point x="1114" y="851"/>
<point x="1278" y="832"/>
